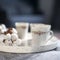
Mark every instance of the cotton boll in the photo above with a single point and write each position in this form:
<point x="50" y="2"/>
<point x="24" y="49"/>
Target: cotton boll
<point x="1" y="40"/>
<point x="17" y="42"/>
<point x="3" y="26"/>
<point x="14" y="37"/>
<point x="8" y="43"/>
<point x="14" y="30"/>
<point x="8" y="36"/>
<point x="2" y="31"/>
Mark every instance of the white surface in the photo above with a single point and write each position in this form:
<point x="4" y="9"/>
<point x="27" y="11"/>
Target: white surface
<point x="28" y="49"/>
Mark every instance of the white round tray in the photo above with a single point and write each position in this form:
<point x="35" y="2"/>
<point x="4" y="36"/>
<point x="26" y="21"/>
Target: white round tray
<point x="28" y="49"/>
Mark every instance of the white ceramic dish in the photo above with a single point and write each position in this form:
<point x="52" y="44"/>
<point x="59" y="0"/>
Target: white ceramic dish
<point x="28" y="49"/>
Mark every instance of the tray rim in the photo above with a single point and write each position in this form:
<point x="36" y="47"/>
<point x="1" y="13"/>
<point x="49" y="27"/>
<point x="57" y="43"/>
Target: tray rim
<point x="28" y="49"/>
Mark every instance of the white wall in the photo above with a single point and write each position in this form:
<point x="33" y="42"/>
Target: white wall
<point x="47" y="7"/>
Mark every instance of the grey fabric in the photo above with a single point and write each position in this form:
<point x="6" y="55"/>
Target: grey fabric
<point x="51" y="55"/>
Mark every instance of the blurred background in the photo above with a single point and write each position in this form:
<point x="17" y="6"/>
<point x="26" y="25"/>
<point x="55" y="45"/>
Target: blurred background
<point x="32" y="11"/>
